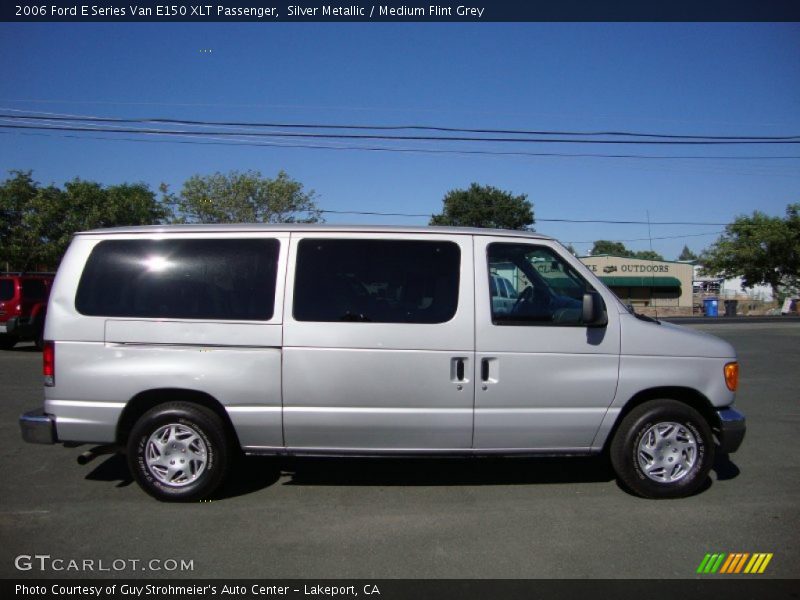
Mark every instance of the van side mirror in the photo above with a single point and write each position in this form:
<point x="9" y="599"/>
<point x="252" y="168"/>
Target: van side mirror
<point x="594" y="310"/>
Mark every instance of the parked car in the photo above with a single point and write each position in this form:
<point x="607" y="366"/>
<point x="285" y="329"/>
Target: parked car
<point x="504" y="295"/>
<point x="184" y="345"/>
<point x="23" y="307"/>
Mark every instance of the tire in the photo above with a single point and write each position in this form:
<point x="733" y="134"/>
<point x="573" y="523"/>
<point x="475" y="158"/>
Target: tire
<point x="663" y="449"/>
<point x="178" y="452"/>
<point x="7" y="342"/>
<point x="38" y="340"/>
<point x="38" y="329"/>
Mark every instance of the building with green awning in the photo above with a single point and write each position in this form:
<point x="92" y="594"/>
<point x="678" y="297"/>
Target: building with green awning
<point x="660" y="282"/>
<point x="651" y="286"/>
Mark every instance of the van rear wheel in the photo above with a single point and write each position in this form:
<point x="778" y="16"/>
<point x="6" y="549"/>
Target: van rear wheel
<point x="178" y="452"/>
<point x="663" y="449"/>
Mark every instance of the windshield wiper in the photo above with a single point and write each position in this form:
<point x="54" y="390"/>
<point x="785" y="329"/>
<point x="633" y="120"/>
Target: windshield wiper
<point x="640" y="316"/>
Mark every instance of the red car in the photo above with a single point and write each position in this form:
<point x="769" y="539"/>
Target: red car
<point x="23" y="306"/>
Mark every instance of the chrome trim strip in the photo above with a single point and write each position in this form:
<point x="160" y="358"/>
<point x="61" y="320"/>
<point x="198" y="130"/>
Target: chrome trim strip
<point x="86" y="404"/>
<point x="375" y="409"/>
<point x="411" y="452"/>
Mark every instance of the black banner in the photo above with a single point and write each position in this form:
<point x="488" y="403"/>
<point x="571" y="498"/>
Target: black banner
<point x="416" y="11"/>
<point x="733" y="588"/>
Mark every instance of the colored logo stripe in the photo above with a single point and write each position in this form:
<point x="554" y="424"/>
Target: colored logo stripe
<point x="734" y="563"/>
<point x="758" y="563"/>
<point x="710" y="563"/>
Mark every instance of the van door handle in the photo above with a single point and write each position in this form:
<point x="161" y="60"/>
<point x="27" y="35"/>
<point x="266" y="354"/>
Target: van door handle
<point x="458" y="370"/>
<point x="490" y="371"/>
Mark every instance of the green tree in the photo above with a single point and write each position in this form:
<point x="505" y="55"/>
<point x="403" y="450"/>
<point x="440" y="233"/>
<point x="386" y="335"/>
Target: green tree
<point x="248" y="197"/>
<point x="687" y="255"/>
<point x="485" y="206"/>
<point x="618" y="249"/>
<point x="44" y="230"/>
<point x="16" y="194"/>
<point x="647" y="255"/>
<point x="610" y="248"/>
<point x="38" y="222"/>
<point x="760" y="249"/>
<point x="56" y="215"/>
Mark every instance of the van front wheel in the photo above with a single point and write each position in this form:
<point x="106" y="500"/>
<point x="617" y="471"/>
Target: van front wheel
<point x="663" y="449"/>
<point x="178" y="452"/>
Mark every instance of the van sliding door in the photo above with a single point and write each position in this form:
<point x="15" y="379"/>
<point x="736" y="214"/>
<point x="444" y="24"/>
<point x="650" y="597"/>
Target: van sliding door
<point x="378" y="343"/>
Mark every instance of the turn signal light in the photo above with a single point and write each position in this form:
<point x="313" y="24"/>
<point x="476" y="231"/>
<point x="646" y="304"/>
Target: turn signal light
<point x="732" y="376"/>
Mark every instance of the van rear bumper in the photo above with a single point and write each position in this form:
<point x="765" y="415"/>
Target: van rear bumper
<point x="38" y="427"/>
<point x="732" y="427"/>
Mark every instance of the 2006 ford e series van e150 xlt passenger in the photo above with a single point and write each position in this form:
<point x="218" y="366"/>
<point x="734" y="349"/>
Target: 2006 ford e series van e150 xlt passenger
<point x="185" y="345"/>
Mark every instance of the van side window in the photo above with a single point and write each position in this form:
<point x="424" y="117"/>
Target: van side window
<point x="379" y="281"/>
<point x="544" y="289"/>
<point x="212" y="279"/>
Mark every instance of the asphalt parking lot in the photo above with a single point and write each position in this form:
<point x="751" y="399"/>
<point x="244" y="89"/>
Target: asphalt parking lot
<point x="357" y="518"/>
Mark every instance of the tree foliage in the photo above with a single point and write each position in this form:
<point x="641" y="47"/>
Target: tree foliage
<point x="647" y="255"/>
<point x="37" y="223"/>
<point x="610" y="248"/>
<point x="485" y="206"/>
<point x="687" y="255"/>
<point x="248" y="197"/>
<point x="16" y="194"/>
<point x="618" y="249"/>
<point x="760" y="249"/>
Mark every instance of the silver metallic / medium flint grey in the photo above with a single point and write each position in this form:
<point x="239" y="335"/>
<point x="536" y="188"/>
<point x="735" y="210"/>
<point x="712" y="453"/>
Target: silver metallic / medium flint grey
<point x="185" y="345"/>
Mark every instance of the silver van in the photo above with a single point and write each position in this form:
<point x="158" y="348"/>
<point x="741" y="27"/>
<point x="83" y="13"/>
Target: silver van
<point x="186" y="345"/>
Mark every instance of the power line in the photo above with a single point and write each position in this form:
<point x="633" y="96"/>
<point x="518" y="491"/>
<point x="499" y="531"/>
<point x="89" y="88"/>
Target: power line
<point x="162" y="120"/>
<point x="400" y="137"/>
<point x="400" y="150"/>
<point x="666" y="237"/>
<point x="448" y="110"/>
<point x="393" y="148"/>
<point x="597" y="221"/>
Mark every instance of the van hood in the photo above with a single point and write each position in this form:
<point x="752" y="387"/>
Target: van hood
<point x="646" y="338"/>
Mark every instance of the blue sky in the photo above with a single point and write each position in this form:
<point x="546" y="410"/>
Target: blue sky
<point x="707" y="79"/>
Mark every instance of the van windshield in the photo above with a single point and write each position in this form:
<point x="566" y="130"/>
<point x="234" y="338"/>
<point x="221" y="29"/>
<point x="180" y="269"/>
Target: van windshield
<point x="6" y="289"/>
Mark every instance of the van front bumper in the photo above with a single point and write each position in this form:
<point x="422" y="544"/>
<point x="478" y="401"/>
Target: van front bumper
<point x="9" y="325"/>
<point x="732" y="427"/>
<point x="38" y="427"/>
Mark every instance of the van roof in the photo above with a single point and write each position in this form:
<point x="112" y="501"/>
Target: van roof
<point x="308" y="227"/>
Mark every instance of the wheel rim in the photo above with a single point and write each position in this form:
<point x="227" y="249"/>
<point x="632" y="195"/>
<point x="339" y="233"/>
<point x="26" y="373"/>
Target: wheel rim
<point x="667" y="452"/>
<point x="176" y="454"/>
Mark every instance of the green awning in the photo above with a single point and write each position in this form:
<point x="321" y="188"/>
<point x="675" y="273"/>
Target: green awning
<point x="642" y="281"/>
